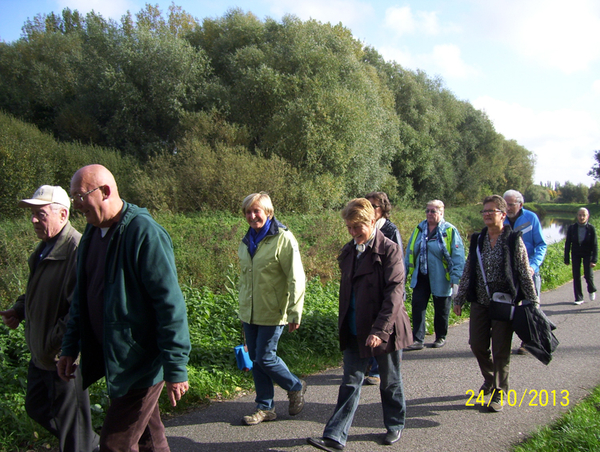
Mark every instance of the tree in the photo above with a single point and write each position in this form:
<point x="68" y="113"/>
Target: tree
<point x="595" y="171"/>
<point x="594" y="193"/>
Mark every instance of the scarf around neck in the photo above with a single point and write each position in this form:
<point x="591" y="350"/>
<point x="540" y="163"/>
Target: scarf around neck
<point x="254" y="237"/>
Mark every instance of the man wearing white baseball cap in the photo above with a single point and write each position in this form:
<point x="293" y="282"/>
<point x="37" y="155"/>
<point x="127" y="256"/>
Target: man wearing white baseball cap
<point x="62" y="408"/>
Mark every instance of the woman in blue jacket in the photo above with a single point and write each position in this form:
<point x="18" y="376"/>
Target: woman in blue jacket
<point x="434" y="260"/>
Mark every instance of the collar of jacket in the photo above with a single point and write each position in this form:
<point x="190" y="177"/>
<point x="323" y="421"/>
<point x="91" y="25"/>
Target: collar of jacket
<point x="377" y="246"/>
<point x="276" y="225"/>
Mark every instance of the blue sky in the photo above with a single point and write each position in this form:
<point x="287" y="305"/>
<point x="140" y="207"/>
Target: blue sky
<point x="532" y="65"/>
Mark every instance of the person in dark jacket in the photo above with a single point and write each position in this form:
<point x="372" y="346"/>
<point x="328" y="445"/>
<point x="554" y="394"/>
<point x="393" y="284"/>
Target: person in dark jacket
<point x="62" y="408"/>
<point x="372" y="322"/>
<point x="128" y="316"/>
<point x="382" y="208"/>
<point x="581" y="244"/>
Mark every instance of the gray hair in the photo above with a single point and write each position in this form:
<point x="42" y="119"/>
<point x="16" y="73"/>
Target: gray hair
<point x="58" y="207"/>
<point x="437" y="204"/>
<point x="514" y="194"/>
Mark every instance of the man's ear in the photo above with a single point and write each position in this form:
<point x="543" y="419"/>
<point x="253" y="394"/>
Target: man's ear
<point x="105" y="192"/>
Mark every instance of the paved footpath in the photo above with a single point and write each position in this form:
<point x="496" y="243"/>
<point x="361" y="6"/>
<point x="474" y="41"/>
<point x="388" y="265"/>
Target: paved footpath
<point x="436" y="383"/>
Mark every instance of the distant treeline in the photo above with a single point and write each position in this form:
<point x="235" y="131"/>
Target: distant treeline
<point x="199" y="114"/>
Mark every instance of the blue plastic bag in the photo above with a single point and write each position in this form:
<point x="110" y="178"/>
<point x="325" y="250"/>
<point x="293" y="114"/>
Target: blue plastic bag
<point x="243" y="358"/>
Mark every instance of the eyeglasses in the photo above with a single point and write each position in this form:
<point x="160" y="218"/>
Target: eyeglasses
<point x="489" y="212"/>
<point x="513" y="204"/>
<point x="431" y="211"/>
<point x="81" y="197"/>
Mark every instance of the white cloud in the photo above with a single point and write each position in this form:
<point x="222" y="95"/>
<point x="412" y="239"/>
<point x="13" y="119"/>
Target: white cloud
<point x="563" y="140"/>
<point x="447" y="58"/>
<point x="351" y="13"/>
<point x="404" y="22"/>
<point x="108" y="9"/>
<point x="555" y="33"/>
<point x="444" y="60"/>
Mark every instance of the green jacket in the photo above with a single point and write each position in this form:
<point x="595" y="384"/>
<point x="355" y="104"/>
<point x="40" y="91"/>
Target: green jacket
<point x="272" y="283"/>
<point x="146" y="338"/>
<point x="45" y="304"/>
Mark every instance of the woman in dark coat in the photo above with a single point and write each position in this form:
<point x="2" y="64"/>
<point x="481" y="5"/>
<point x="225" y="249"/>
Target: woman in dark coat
<point x="372" y="322"/>
<point x="581" y="244"/>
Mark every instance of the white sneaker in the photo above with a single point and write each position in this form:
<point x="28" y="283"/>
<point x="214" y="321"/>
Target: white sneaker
<point x="592" y="296"/>
<point x="578" y="302"/>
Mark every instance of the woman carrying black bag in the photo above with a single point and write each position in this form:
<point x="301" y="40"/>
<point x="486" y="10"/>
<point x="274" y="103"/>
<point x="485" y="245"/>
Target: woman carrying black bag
<point x="505" y="268"/>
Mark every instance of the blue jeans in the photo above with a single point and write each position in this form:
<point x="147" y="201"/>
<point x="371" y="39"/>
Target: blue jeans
<point x="391" y="390"/>
<point x="267" y="366"/>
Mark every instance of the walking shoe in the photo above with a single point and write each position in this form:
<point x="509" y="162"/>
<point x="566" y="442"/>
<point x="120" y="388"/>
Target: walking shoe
<point x="325" y="444"/>
<point x="415" y="346"/>
<point x="297" y="400"/>
<point x="486" y="388"/>
<point x="439" y="343"/>
<point x="259" y="416"/>
<point x="578" y="302"/>
<point x="391" y="437"/>
<point x="369" y="380"/>
<point x="592" y="296"/>
<point x="496" y="402"/>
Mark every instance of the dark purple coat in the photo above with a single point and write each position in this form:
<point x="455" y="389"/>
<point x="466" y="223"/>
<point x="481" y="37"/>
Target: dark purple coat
<point x="378" y="284"/>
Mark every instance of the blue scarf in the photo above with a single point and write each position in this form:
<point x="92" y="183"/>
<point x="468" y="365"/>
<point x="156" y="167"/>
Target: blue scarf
<point x="254" y="237"/>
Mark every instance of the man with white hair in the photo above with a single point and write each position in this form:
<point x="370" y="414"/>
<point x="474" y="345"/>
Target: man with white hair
<point x="527" y="222"/>
<point x="582" y="245"/>
<point x="62" y="408"/>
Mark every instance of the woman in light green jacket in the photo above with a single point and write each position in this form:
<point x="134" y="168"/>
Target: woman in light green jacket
<point x="271" y="294"/>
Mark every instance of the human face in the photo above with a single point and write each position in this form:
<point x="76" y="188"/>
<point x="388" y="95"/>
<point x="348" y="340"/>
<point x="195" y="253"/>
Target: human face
<point x="434" y="215"/>
<point x="492" y="216"/>
<point x="256" y="217"/>
<point x="582" y="216"/>
<point x="88" y="200"/>
<point x="377" y="208"/>
<point x="512" y="207"/>
<point x="360" y="232"/>
<point x="47" y="222"/>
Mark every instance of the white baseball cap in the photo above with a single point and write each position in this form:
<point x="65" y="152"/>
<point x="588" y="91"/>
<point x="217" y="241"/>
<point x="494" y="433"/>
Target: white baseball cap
<point x="47" y="194"/>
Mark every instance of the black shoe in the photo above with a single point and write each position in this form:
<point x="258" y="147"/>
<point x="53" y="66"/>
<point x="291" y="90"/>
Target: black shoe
<point x="391" y="437"/>
<point x="486" y="388"/>
<point x="496" y="403"/>
<point x="415" y="346"/>
<point x="325" y="444"/>
<point x="439" y="343"/>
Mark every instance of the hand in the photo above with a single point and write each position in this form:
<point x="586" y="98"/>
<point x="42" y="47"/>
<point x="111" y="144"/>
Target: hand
<point x="532" y="271"/>
<point x="457" y="309"/>
<point x="293" y="327"/>
<point x="176" y="391"/>
<point x="592" y="264"/>
<point x="10" y="319"/>
<point x="66" y="368"/>
<point x="373" y="341"/>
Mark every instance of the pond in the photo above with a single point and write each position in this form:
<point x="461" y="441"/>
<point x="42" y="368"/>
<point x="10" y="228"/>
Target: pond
<point x="554" y="229"/>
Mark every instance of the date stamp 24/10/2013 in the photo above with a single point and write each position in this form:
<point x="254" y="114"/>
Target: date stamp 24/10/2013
<point x="529" y="397"/>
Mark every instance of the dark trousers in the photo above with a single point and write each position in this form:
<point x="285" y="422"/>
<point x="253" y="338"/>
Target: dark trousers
<point x="133" y="423"/>
<point x="441" y="306"/>
<point x="62" y="408"/>
<point x="588" y="274"/>
<point x="493" y="363"/>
